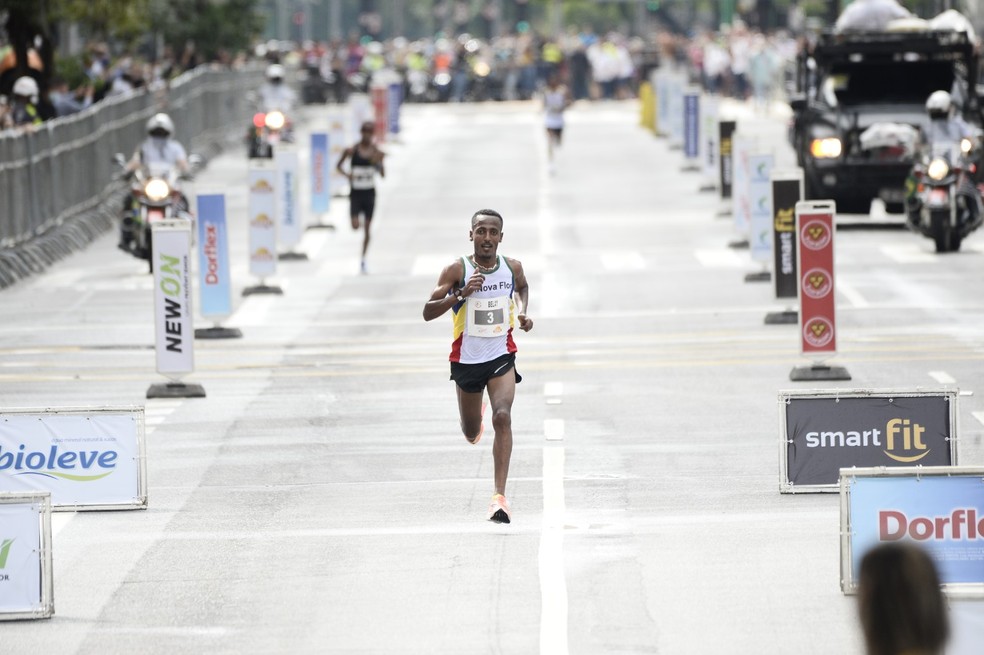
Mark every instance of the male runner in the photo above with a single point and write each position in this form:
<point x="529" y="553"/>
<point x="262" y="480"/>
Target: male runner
<point x="488" y="295"/>
<point x="367" y="158"/>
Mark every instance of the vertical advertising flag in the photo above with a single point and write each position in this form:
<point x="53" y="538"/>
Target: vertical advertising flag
<point x="676" y="109"/>
<point x="709" y="138"/>
<point x="741" y="209"/>
<point x="394" y="102"/>
<point x="213" y="257"/>
<point x="726" y="131"/>
<point x="289" y="230"/>
<point x="360" y="111"/>
<point x="691" y="123"/>
<point x="320" y="173"/>
<point x="337" y="142"/>
<point x="760" y="207"/>
<point x="262" y="211"/>
<point x="787" y="190"/>
<point x="172" y="298"/>
<point x="380" y="104"/>
<point x="815" y="267"/>
<point x="25" y="556"/>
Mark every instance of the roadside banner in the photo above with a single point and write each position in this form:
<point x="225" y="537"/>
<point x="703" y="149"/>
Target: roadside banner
<point x="815" y="266"/>
<point x="320" y="173"/>
<point x="213" y="257"/>
<point x="741" y="210"/>
<point x="822" y="432"/>
<point x="709" y="136"/>
<point x="726" y="131"/>
<point x="676" y="109"/>
<point x="787" y="190"/>
<point x="26" y="574"/>
<point x="289" y="227"/>
<point x="262" y="212"/>
<point x="662" y="102"/>
<point x="940" y="508"/>
<point x="175" y="335"/>
<point x="337" y="142"/>
<point x="380" y="110"/>
<point x="394" y="103"/>
<point x="360" y="111"/>
<point x="691" y="124"/>
<point x="87" y="459"/>
<point x="760" y="207"/>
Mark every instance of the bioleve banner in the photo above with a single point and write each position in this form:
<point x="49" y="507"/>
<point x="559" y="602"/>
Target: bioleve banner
<point x="760" y="207"/>
<point x="86" y="459"/>
<point x="262" y="212"/>
<point x="320" y="173"/>
<point x="289" y="230"/>
<point x="822" y="432"/>
<point x="938" y="508"/>
<point x="815" y="266"/>
<point x="25" y="556"/>
<point x="787" y="190"/>
<point x="175" y="336"/>
<point x="213" y="257"/>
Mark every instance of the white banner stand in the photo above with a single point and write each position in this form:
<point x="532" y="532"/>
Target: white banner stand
<point x="26" y="584"/>
<point x="262" y="214"/>
<point x="289" y="223"/>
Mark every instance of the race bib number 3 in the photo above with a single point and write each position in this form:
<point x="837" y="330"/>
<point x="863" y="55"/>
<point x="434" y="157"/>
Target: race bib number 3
<point x="487" y="316"/>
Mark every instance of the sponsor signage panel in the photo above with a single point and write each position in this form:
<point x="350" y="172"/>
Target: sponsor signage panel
<point x="262" y="212"/>
<point x="760" y="207"/>
<point x="26" y="587"/>
<point x="289" y="230"/>
<point x="691" y="123"/>
<point x="815" y="267"/>
<point x="85" y="458"/>
<point x="726" y="131"/>
<point x="361" y="111"/>
<point x="709" y="138"/>
<point x="393" y="102"/>
<point x="787" y="190"/>
<point x="380" y="110"/>
<point x="822" y="432"/>
<point x="337" y="142"/>
<point x="172" y="298"/>
<point x="213" y="257"/>
<point x="320" y="173"/>
<point x="940" y="508"/>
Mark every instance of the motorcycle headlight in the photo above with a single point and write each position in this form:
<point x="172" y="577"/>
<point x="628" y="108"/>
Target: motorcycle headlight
<point x="938" y="169"/>
<point x="482" y="69"/>
<point x="826" y="148"/>
<point x="157" y="190"/>
<point x="966" y="145"/>
<point x="275" y="120"/>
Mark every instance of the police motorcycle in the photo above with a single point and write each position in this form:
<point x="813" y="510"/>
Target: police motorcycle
<point x="943" y="200"/>
<point x="271" y="123"/>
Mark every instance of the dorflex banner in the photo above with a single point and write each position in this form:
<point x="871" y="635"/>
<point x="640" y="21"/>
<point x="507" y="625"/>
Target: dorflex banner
<point x="289" y="230"/>
<point x="726" y="131"/>
<point x="320" y="173"/>
<point x="262" y="212"/>
<point x="337" y="142"/>
<point x="940" y="509"/>
<point x="213" y="257"/>
<point x="691" y="123"/>
<point x="85" y="458"/>
<point x="787" y="190"/>
<point x="760" y="207"/>
<point x="815" y="267"/>
<point x="26" y="587"/>
<point x="175" y="336"/>
<point x="380" y="111"/>
<point x="709" y="139"/>
<point x="822" y="432"/>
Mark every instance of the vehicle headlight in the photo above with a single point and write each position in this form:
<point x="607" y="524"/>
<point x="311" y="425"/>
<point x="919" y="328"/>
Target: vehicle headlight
<point x="938" y="169"/>
<point x="482" y="69"/>
<point x="966" y="145"/>
<point x="275" y="120"/>
<point x="157" y="190"/>
<point x="826" y="148"/>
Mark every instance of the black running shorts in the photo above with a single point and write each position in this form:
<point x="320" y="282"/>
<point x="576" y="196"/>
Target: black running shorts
<point x="472" y="378"/>
<point x="362" y="201"/>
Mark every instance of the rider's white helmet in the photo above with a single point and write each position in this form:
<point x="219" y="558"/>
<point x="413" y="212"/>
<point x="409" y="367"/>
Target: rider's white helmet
<point x="26" y="87"/>
<point x="160" y="122"/>
<point x="275" y="72"/>
<point x="938" y="104"/>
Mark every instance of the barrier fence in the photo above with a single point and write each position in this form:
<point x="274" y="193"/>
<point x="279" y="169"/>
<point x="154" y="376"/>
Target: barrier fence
<point x="57" y="182"/>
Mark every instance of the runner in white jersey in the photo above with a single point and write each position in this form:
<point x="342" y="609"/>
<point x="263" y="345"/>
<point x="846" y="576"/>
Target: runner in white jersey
<point x="488" y="295"/>
<point x="556" y="100"/>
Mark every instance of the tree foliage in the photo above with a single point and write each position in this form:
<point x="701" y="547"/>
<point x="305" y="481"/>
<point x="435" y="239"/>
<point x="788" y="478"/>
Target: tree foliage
<point x="212" y="25"/>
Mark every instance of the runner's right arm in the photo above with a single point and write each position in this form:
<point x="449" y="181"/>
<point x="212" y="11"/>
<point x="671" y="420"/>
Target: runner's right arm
<point x="440" y="300"/>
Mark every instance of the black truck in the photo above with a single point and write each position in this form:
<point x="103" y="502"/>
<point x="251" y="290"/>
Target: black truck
<point x="849" y="85"/>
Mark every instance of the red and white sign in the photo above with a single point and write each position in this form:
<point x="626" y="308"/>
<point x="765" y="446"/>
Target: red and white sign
<point x="815" y="256"/>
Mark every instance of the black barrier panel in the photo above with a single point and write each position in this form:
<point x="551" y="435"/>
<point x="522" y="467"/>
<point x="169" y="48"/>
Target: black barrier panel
<point x="824" y="435"/>
<point x="726" y="129"/>
<point x="785" y="195"/>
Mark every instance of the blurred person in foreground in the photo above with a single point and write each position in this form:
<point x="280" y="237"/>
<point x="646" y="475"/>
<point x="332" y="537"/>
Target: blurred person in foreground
<point x="900" y="603"/>
<point x="22" y="111"/>
<point x="67" y="102"/>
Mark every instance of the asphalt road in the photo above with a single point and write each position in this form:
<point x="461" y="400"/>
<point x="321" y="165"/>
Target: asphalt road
<point x="322" y="499"/>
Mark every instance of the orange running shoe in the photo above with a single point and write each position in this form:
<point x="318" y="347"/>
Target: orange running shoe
<point x="499" y="509"/>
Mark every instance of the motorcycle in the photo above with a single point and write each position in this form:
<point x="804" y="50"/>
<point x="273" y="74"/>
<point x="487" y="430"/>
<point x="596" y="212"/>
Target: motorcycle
<point x="943" y="201"/>
<point x="267" y="130"/>
<point x="155" y="196"/>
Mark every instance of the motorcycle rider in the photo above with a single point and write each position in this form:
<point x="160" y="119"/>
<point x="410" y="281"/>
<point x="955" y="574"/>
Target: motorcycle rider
<point x="274" y="94"/>
<point x="157" y="151"/>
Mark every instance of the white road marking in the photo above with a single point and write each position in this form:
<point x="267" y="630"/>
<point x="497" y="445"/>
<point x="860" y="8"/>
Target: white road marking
<point x="979" y="416"/>
<point x="851" y="293"/>
<point x="553" y="585"/>
<point x="553" y="389"/>
<point x="720" y="258"/>
<point x="553" y="429"/>
<point x="942" y="377"/>
<point x="619" y="261"/>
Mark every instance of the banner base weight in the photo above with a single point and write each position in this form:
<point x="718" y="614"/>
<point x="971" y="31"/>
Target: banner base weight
<point x="760" y="276"/>
<point x="788" y="317"/>
<point x="218" y="332"/>
<point x="816" y="372"/>
<point x="176" y="390"/>
<point x="292" y="257"/>
<point x="263" y="288"/>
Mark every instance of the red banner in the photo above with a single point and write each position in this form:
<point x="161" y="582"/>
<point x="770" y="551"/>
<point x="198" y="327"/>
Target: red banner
<point x="815" y="257"/>
<point x="380" y="106"/>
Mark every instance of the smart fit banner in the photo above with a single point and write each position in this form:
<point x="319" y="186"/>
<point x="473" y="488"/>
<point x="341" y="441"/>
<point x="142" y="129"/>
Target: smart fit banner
<point x="691" y="124"/>
<point x="262" y="208"/>
<point x="787" y="190"/>
<point x="815" y="266"/>
<point x="175" y="336"/>
<point x="726" y="131"/>
<point x="26" y="588"/>
<point x="85" y="458"/>
<point x="760" y="207"/>
<point x="822" y="432"/>
<point x="320" y="174"/>
<point x="940" y="508"/>
<point x="213" y="257"/>
<point x="289" y="229"/>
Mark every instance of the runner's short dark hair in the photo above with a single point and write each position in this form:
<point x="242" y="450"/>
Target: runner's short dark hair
<point x="487" y="212"/>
